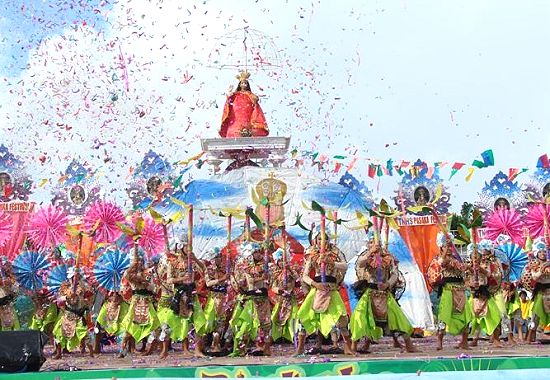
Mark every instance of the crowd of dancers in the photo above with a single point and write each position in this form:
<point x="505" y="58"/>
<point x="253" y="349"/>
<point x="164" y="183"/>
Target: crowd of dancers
<point x="242" y="304"/>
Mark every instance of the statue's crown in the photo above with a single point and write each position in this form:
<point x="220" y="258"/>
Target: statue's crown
<point x="243" y="75"/>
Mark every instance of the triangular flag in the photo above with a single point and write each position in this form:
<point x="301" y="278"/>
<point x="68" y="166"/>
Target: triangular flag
<point x="488" y="158"/>
<point x="543" y="162"/>
<point x="372" y="170"/>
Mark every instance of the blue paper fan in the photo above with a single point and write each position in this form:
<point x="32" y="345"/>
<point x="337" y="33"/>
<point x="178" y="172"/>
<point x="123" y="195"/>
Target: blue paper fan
<point x="30" y="268"/>
<point x="515" y="257"/>
<point x="58" y="276"/>
<point x="110" y="267"/>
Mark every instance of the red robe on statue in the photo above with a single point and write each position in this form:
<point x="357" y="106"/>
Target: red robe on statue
<point x="243" y="116"/>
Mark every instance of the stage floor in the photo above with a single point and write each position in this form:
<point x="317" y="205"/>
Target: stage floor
<point x="385" y="362"/>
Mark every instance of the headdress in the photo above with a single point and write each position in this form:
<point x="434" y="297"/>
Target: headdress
<point x="212" y="253"/>
<point x="539" y="245"/>
<point x="442" y="239"/>
<point x="485" y="245"/>
<point x="246" y="249"/>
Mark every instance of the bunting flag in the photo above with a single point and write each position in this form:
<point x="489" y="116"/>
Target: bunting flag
<point x="372" y="170"/>
<point x="514" y="172"/>
<point x="543" y="162"/>
<point x="488" y="160"/>
<point x="430" y="172"/>
<point x="389" y="167"/>
<point x="455" y="168"/>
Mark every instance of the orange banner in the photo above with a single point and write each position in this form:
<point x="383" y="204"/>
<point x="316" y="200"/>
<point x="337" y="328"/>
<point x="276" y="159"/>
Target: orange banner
<point x="421" y="241"/>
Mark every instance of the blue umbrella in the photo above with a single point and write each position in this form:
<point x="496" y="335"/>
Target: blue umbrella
<point x="30" y="268"/>
<point x="58" y="275"/>
<point x="110" y="267"/>
<point x="514" y="257"/>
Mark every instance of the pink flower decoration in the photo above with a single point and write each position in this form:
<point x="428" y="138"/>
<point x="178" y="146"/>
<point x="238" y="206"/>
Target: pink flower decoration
<point x="6" y="226"/>
<point x="48" y="227"/>
<point x="152" y="237"/>
<point x="505" y="222"/>
<point x="103" y="217"/>
<point x="534" y="220"/>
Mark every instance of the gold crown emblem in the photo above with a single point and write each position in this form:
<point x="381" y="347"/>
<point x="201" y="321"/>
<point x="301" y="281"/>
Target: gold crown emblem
<point x="243" y="75"/>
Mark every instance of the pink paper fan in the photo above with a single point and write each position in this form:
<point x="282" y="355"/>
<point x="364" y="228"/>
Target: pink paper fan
<point x="505" y="222"/>
<point x="152" y="237"/>
<point x="48" y="227"/>
<point x="6" y="226"/>
<point x="534" y="220"/>
<point x="103" y="216"/>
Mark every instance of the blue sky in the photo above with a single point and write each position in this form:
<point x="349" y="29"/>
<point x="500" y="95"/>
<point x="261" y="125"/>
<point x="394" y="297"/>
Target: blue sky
<point x="441" y="81"/>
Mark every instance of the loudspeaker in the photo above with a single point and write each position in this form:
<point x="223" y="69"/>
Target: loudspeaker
<point x="22" y="351"/>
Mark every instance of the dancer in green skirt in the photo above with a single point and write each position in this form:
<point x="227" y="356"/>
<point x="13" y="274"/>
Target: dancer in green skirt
<point x="323" y="310"/>
<point x="454" y="315"/>
<point x="8" y="316"/>
<point x="110" y="317"/>
<point x="378" y="273"/>
<point x="484" y="273"/>
<point x="141" y="319"/>
<point x="74" y="319"/>
<point x="219" y="304"/>
<point x="184" y="311"/>
<point x="283" y="284"/>
<point x="536" y="276"/>
<point x="251" y="319"/>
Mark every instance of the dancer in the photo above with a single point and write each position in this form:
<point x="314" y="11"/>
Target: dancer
<point x="323" y="310"/>
<point x="219" y="304"/>
<point x="283" y="284"/>
<point x="536" y="274"/>
<point x="45" y="313"/>
<point x="110" y="317"/>
<point x="185" y="311"/>
<point x="377" y="309"/>
<point x="141" y="319"/>
<point x="251" y="318"/>
<point x="74" y="319"/>
<point x="484" y="273"/>
<point x="454" y="316"/>
<point x="8" y="290"/>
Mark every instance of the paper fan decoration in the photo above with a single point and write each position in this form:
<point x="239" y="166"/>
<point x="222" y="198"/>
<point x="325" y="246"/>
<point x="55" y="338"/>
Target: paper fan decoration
<point x="102" y="217"/>
<point x="6" y="225"/>
<point x="516" y="259"/>
<point x="152" y="237"/>
<point x="109" y="269"/>
<point x="48" y="227"/>
<point x="505" y="222"/>
<point x="30" y="269"/>
<point x="58" y="275"/>
<point x="534" y="220"/>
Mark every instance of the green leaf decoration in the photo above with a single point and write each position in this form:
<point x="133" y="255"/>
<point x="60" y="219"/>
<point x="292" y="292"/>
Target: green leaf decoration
<point x="317" y="207"/>
<point x="254" y="218"/>
<point x="299" y="223"/>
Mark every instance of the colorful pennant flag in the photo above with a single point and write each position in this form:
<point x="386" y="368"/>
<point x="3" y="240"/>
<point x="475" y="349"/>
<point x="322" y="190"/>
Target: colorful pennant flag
<point x="543" y="162"/>
<point x="488" y="160"/>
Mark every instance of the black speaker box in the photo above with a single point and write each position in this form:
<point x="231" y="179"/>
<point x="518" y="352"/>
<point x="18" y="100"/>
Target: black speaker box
<point x="22" y="351"/>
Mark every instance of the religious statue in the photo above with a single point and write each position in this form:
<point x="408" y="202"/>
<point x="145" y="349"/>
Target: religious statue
<point x="242" y="114"/>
